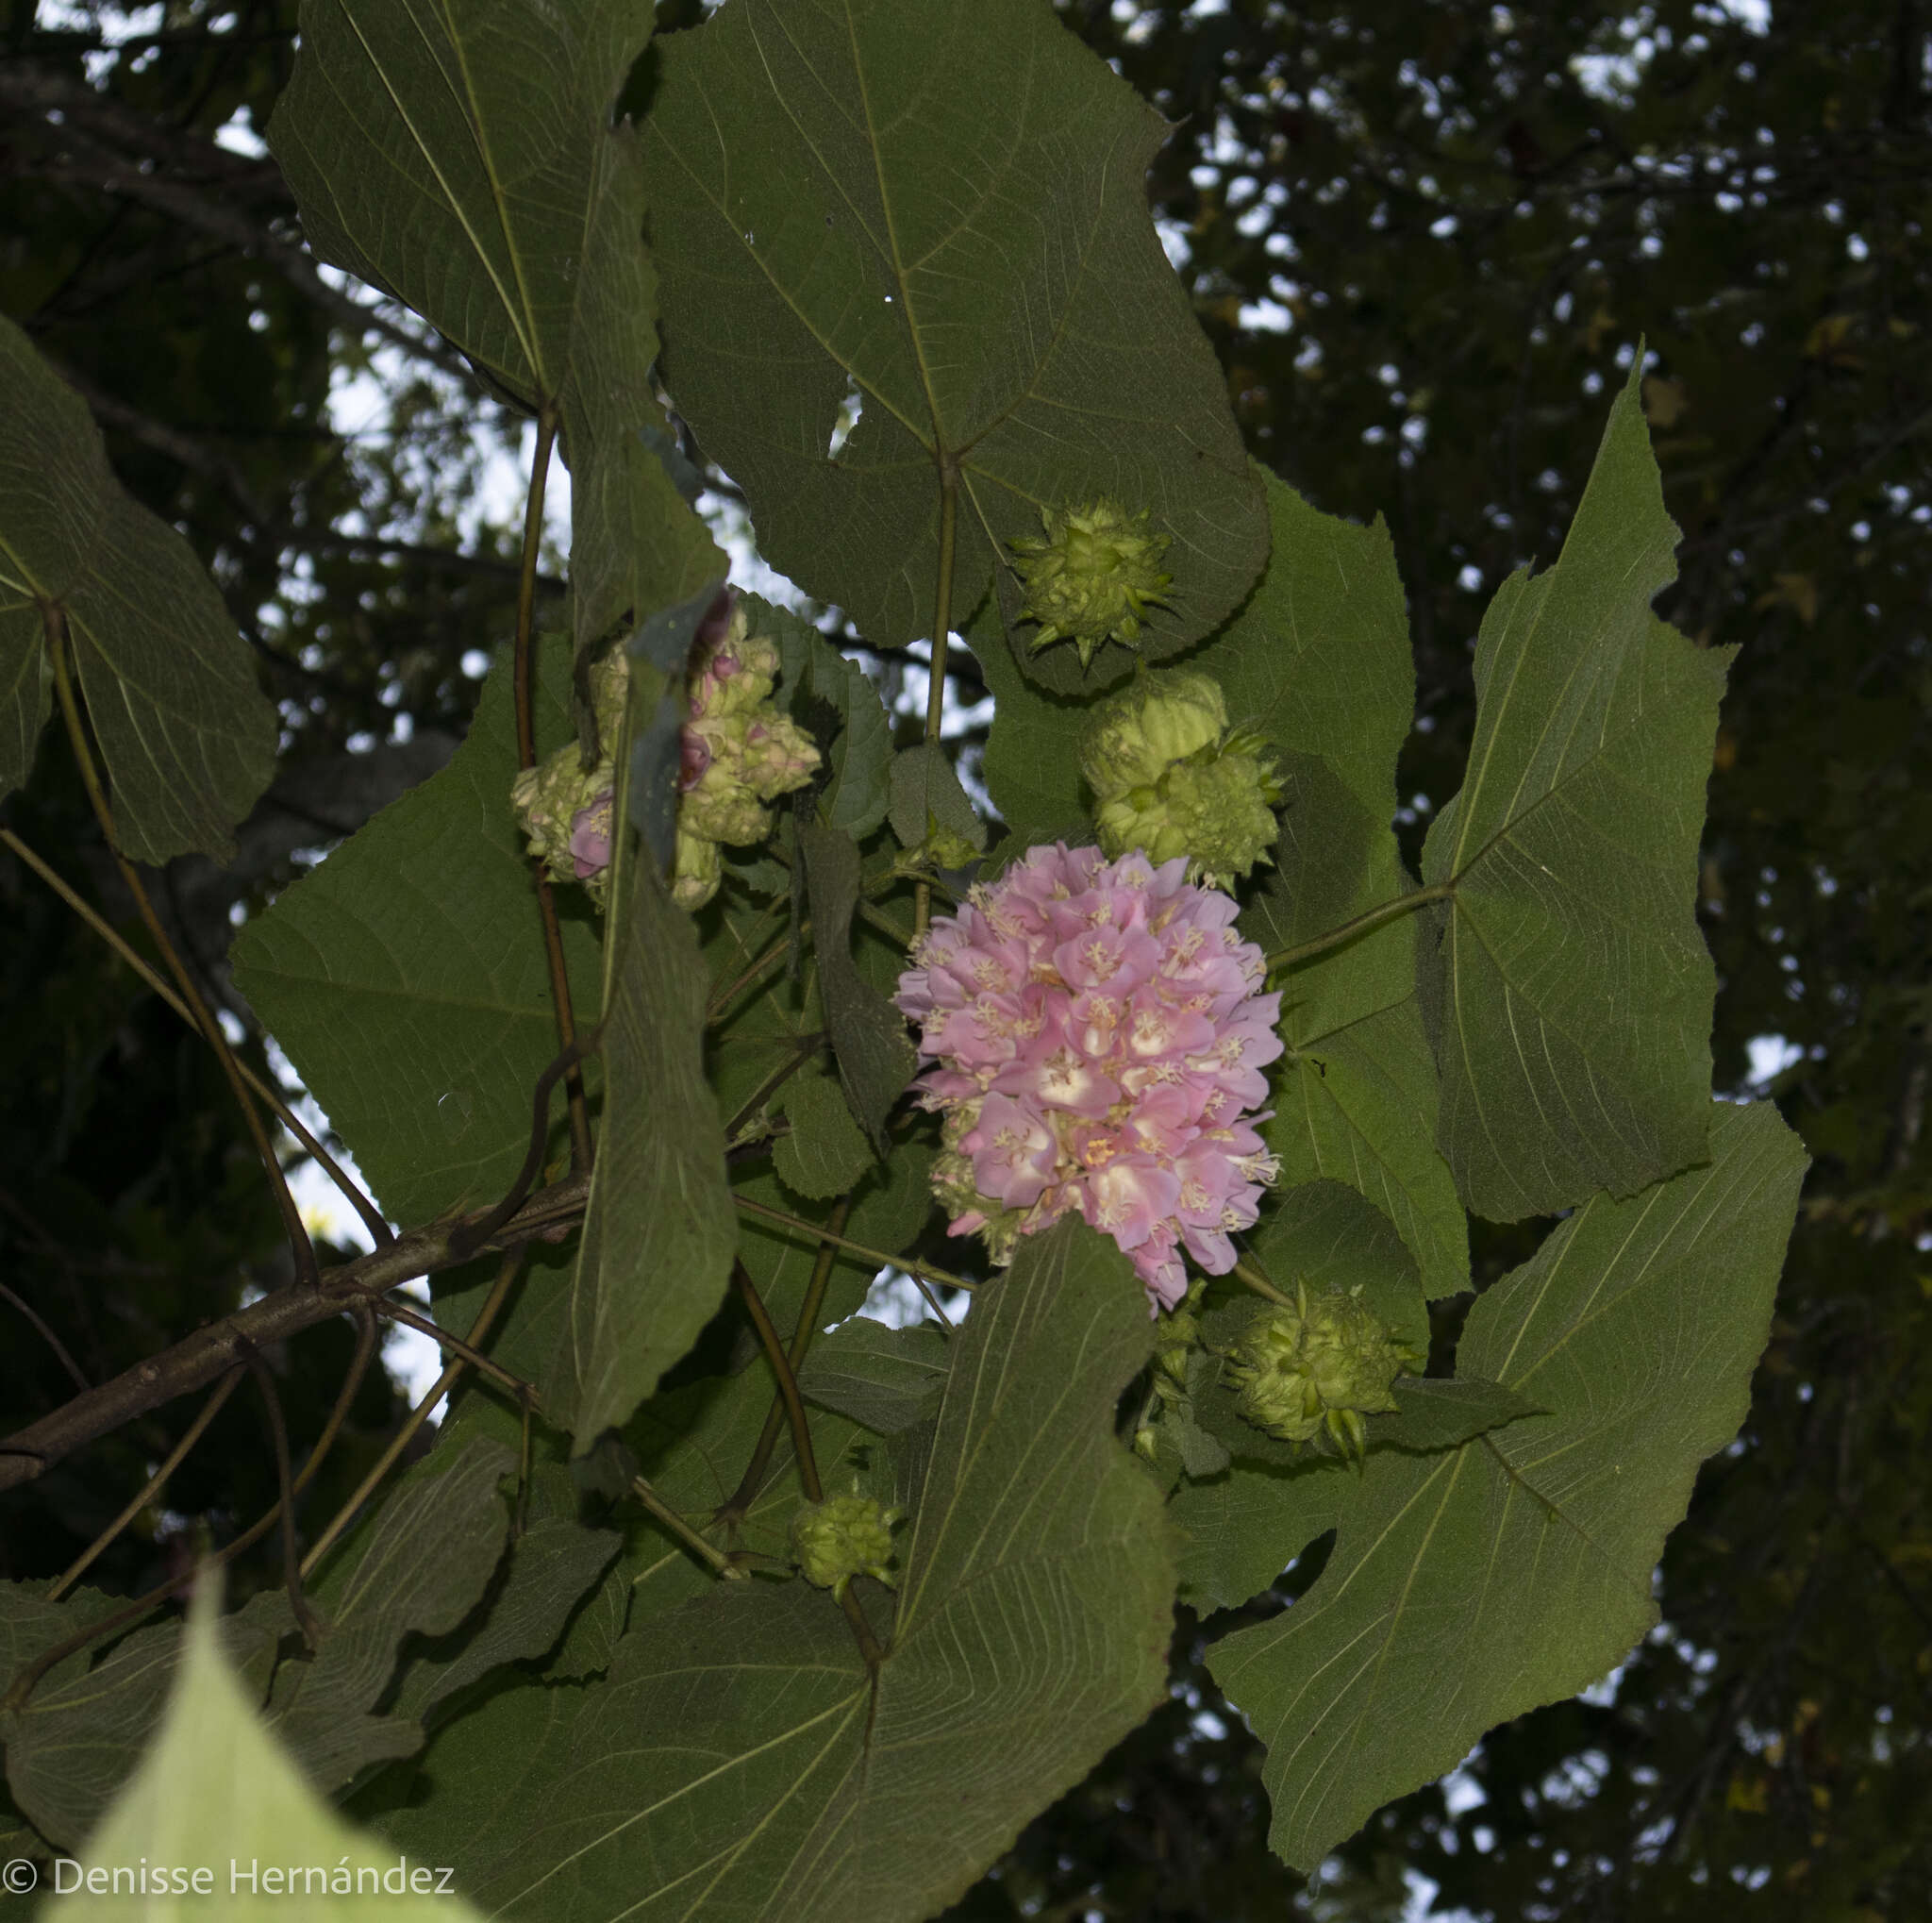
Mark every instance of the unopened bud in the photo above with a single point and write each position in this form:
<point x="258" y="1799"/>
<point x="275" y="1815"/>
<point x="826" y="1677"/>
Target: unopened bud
<point x="1157" y="719"/>
<point x="1321" y="1362"/>
<point x="1170" y="778"/>
<point x="738" y="755"/>
<point x="841" y="1537"/>
<point x="1093" y="577"/>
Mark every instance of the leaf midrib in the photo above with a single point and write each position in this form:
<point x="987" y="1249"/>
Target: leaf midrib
<point x="449" y="198"/>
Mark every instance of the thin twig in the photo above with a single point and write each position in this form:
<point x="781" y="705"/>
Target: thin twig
<point x="803" y="1048"/>
<point x="52" y="1340"/>
<point x="531" y="1402"/>
<point x="23" y="1683"/>
<point x="710" y="1555"/>
<point x="801" y="1445"/>
<point x="292" y="1561"/>
<point x="475" y="1235"/>
<point x="788" y="1383"/>
<point x="932" y="1301"/>
<point x="392" y="1311"/>
<point x="750" y="1482"/>
<point x="351" y="1191"/>
<point x="506" y="1276"/>
<point x="149" y="1490"/>
<point x="305" y="1265"/>
<point x="721" y="1000"/>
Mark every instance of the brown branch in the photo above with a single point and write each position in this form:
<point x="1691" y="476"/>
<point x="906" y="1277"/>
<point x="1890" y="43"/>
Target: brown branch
<point x="198" y="1359"/>
<point x="85" y="162"/>
<point x="31" y="88"/>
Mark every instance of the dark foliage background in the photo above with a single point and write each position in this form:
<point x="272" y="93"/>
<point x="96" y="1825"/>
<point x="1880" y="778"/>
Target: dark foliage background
<point x="1424" y="237"/>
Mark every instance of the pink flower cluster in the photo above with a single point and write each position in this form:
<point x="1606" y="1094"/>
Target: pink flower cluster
<point x="1099" y="1044"/>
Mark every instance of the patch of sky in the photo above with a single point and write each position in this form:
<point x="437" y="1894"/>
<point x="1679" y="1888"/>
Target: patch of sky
<point x="1770" y="1056"/>
<point x="898" y="1302"/>
<point x="851" y="410"/>
<point x="1266" y="317"/>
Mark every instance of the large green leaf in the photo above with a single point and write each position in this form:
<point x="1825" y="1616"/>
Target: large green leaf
<point x="462" y="158"/>
<point x="940" y="208"/>
<point x="215" y="1795"/>
<point x="187" y="738"/>
<point x="406" y="976"/>
<point x="694" y="1444"/>
<point x="1354" y="1097"/>
<point x="869" y="1039"/>
<point x="887" y="1378"/>
<point x="1239" y="1529"/>
<point x="1468" y="1587"/>
<point x="78" y="1737"/>
<point x="1568" y="996"/>
<point x="1318" y="657"/>
<point x="740" y="1760"/>
<point x="1319" y="660"/>
<point x="550" y="1565"/>
<point x="417" y="1568"/>
<point x="1358" y="1105"/>
<point x="659" y="1229"/>
<point x="1032" y="768"/>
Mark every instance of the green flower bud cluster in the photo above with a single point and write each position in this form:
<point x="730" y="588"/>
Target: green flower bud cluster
<point x="739" y="753"/>
<point x="1093" y="577"/>
<point x="841" y="1537"/>
<point x="566" y="808"/>
<point x="1171" y="778"/>
<point x="1318" y="1364"/>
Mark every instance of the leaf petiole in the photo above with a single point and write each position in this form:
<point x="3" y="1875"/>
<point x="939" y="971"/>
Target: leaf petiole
<point x="812" y="1231"/>
<point x="1365" y="923"/>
